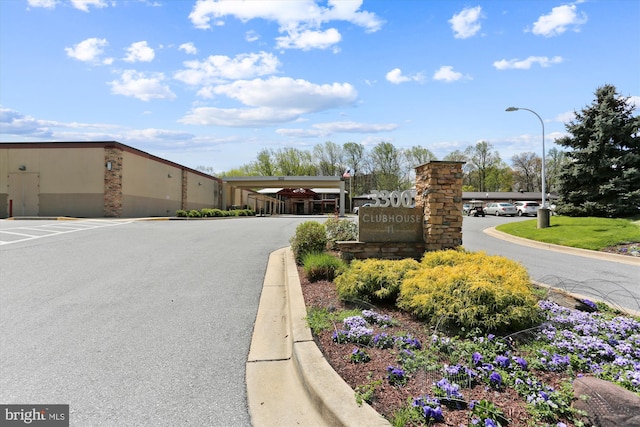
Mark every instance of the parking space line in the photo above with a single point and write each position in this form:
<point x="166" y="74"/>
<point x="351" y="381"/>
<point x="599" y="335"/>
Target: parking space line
<point x="78" y="226"/>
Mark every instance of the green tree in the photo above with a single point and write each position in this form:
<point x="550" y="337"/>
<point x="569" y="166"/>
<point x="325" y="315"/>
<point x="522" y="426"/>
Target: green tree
<point x="602" y="175"/>
<point x="499" y="178"/>
<point x="481" y="159"/>
<point x="294" y="162"/>
<point x="417" y="156"/>
<point x="387" y="167"/>
<point x="556" y="159"/>
<point x="264" y="164"/>
<point x="329" y="159"/>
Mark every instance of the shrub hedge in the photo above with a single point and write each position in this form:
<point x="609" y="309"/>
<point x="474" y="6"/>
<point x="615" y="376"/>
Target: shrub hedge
<point x="209" y="213"/>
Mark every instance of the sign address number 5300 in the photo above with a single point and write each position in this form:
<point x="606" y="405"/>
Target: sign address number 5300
<point x="394" y="199"/>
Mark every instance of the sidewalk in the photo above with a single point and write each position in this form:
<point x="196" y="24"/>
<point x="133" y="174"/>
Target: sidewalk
<point x="289" y="382"/>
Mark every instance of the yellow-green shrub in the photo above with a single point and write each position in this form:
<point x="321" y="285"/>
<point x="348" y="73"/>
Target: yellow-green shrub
<point x="470" y="290"/>
<point x="373" y="280"/>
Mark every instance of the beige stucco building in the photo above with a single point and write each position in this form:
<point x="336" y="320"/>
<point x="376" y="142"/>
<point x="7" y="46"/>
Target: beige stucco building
<point x="98" y="179"/>
<point x="110" y="179"/>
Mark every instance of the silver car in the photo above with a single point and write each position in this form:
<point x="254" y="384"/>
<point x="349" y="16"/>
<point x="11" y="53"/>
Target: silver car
<point x="498" y="209"/>
<point x="527" y="208"/>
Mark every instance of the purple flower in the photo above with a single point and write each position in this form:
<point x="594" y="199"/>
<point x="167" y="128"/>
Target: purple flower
<point x="521" y="362"/>
<point x="495" y="378"/>
<point x="502" y="361"/>
<point x="476" y="357"/>
<point x="396" y="376"/>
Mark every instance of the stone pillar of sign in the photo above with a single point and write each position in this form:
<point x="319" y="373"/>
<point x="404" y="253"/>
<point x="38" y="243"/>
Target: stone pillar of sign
<point x="439" y="193"/>
<point x="113" y="182"/>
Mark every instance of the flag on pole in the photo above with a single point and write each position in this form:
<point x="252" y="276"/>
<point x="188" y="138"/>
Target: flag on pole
<point x="347" y="174"/>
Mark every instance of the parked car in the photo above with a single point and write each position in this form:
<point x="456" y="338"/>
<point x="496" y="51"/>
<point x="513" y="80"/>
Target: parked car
<point x="465" y="208"/>
<point x="357" y="208"/>
<point x="527" y="208"/>
<point x="498" y="209"/>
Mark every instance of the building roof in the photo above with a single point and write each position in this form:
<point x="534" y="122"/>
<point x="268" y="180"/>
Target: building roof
<point x="315" y="190"/>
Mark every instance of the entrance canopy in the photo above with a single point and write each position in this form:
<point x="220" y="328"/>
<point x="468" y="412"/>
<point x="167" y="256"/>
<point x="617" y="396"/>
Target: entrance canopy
<point x="259" y="182"/>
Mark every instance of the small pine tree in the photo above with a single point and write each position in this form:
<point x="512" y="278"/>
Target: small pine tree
<point x="602" y="175"/>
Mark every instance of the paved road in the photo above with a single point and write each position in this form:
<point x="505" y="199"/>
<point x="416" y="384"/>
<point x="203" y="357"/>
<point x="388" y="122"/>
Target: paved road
<point x="614" y="282"/>
<point x="146" y="323"/>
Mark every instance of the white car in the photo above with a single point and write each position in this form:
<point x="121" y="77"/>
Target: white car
<point x="527" y="208"/>
<point x="498" y="209"/>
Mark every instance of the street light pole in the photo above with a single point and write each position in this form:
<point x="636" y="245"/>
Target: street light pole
<point x="543" y="217"/>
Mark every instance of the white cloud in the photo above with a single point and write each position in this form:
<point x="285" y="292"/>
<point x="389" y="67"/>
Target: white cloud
<point x="307" y="39"/>
<point x="151" y="134"/>
<point x="83" y="5"/>
<point x="289" y="94"/>
<point x="558" y="21"/>
<point x="189" y="48"/>
<point x="301" y="133"/>
<point x="565" y="117"/>
<point x="525" y="64"/>
<point x="235" y="117"/>
<point x="275" y="100"/>
<point x="446" y="74"/>
<point x="14" y="123"/>
<point x="139" y="52"/>
<point x="325" y="129"/>
<point x="466" y="23"/>
<point x="634" y="101"/>
<point x="142" y="86"/>
<point x="88" y="50"/>
<point x="219" y="68"/>
<point x="301" y="20"/>
<point x="354" y="127"/>
<point x="251" y="36"/>
<point x="48" y="4"/>
<point x="396" y="77"/>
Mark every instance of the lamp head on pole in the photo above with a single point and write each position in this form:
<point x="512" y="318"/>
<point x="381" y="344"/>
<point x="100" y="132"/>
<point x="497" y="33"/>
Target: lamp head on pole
<point x="512" y="109"/>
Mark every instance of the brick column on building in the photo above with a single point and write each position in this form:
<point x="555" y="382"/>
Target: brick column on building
<point x="439" y="193"/>
<point x="185" y="181"/>
<point x="113" y="182"/>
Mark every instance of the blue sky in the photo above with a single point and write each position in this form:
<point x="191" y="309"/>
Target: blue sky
<point x="214" y="82"/>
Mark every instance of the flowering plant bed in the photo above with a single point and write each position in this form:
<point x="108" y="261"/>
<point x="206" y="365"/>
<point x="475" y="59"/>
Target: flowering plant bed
<point x="416" y="375"/>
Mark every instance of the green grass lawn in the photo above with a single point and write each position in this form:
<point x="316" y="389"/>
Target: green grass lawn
<point x="586" y="233"/>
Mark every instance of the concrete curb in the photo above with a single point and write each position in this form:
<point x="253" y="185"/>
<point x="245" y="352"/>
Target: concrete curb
<point x="333" y="397"/>
<point x="565" y="249"/>
<point x="289" y="382"/>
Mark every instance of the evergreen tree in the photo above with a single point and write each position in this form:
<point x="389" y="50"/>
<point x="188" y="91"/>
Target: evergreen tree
<point x="602" y="175"/>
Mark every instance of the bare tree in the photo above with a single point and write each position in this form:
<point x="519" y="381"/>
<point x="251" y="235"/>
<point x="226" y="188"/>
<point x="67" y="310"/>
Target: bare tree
<point x="527" y="170"/>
